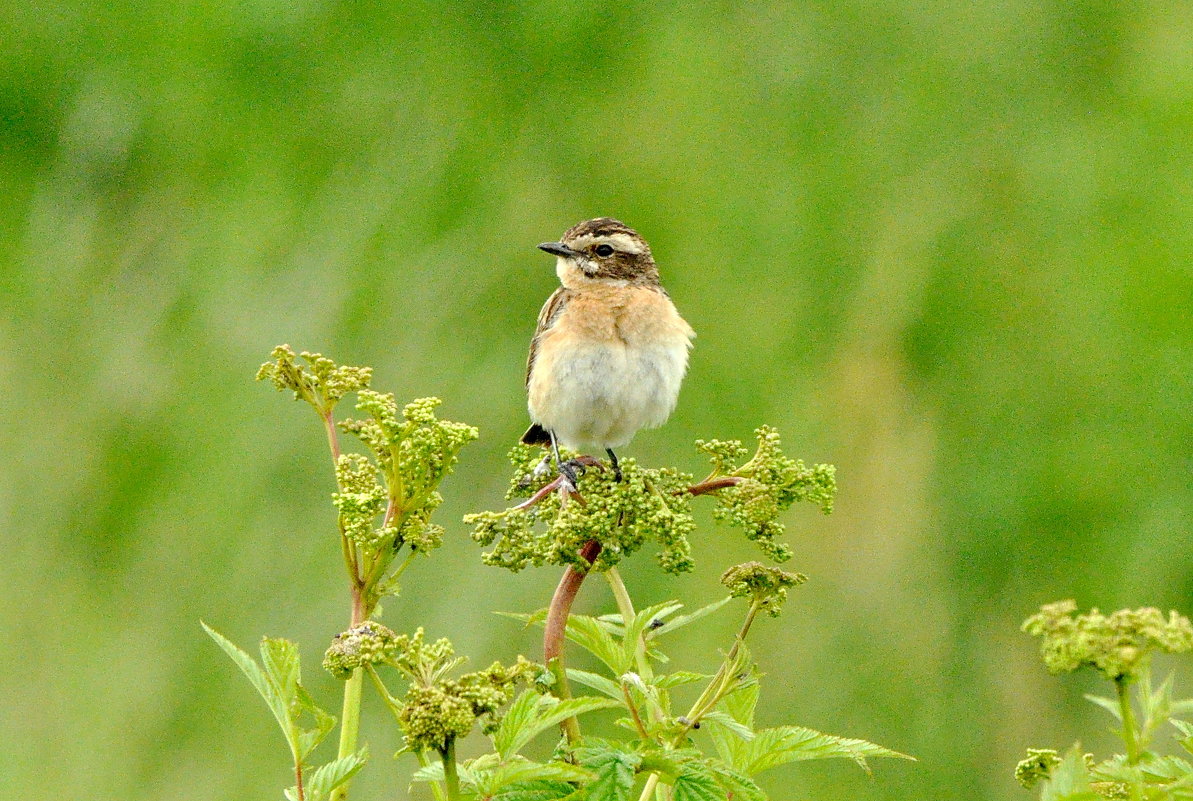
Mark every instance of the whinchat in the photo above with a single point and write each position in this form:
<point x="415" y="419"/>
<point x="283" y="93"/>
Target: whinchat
<point x="610" y="350"/>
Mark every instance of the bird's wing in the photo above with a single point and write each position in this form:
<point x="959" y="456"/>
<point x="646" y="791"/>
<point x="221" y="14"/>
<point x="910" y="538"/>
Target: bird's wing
<point x="547" y="317"/>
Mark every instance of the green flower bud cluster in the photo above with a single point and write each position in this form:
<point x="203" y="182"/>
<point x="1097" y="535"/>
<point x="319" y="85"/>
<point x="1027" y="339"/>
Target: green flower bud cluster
<point x="360" y="500"/>
<point x="1038" y="765"/>
<point x="770" y="483"/>
<point x="413" y="453"/>
<point x="438" y="709"/>
<point x="370" y="643"/>
<point x="646" y="505"/>
<point x="320" y="382"/>
<point x="767" y="586"/>
<point x="1117" y="645"/>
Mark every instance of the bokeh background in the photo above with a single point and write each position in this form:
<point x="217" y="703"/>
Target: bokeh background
<point x="944" y="245"/>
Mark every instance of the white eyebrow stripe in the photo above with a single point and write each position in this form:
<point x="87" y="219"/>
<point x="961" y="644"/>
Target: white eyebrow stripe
<point x="623" y="242"/>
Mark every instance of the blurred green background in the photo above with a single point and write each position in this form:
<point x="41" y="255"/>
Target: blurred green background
<point x="943" y="245"/>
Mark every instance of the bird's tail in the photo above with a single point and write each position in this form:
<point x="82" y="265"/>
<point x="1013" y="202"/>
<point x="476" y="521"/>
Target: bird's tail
<point x="536" y="435"/>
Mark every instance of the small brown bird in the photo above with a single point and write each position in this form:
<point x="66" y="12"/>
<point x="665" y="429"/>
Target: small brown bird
<point x="610" y="350"/>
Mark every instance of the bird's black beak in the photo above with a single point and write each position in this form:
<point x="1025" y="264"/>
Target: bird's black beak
<point x="557" y="249"/>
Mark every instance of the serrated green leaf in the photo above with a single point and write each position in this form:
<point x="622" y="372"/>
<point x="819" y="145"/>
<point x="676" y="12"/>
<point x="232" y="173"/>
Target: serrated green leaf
<point x="588" y="633"/>
<point x="309" y="739"/>
<point x="741" y="730"/>
<point x="614" y="771"/>
<point x="679" y="678"/>
<point x="524" y="771"/>
<point x="330" y="776"/>
<point x="783" y="744"/>
<point x="256" y="675"/>
<point x="691" y="617"/>
<point x="596" y="682"/>
<point x="532" y="714"/>
<point x="537" y="791"/>
<point x="517" y="716"/>
<point x="279" y="658"/>
<point x="741" y="703"/>
<point x="736" y="784"/>
<point x="696" y="782"/>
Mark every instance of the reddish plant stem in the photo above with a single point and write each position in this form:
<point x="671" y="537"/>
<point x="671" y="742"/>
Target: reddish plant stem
<point x="298" y="781"/>
<point x="705" y="487"/>
<point x="556" y="630"/>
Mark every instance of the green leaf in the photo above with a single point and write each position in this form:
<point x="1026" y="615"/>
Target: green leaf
<point x="1109" y="704"/>
<point x="308" y="739"/>
<point x="741" y="703"/>
<point x="536" y="714"/>
<point x="741" y="730"/>
<point x="614" y="769"/>
<point x="679" y="678"/>
<point x="778" y="746"/>
<point x="696" y="782"/>
<point x="596" y="682"/>
<point x="330" y="776"/>
<point x="588" y="633"/>
<point x="1186" y="734"/>
<point x="691" y="617"/>
<point x="737" y="785"/>
<point x="524" y="771"/>
<point x="280" y="660"/>
<point x="1069" y="781"/>
<point x="255" y="675"/>
<point x="537" y="617"/>
<point x="517" y="716"/>
<point x="537" y="791"/>
<point x="634" y="632"/>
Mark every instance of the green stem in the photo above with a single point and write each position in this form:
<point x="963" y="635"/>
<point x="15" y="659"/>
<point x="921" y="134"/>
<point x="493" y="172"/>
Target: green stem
<point x="1130" y="737"/>
<point x="626" y="608"/>
<point x="349" y="723"/>
<point x="652" y="781"/>
<point x="717" y="687"/>
<point x="450" y="777"/>
<point x="1130" y="734"/>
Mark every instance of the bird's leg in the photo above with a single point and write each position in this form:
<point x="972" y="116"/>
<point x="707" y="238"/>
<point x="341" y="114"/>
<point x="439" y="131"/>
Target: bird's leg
<point x="616" y="466"/>
<point x="570" y="470"/>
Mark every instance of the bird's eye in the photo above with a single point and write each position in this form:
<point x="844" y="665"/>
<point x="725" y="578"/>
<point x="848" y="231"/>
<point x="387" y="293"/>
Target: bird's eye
<point x="604" y="250"/>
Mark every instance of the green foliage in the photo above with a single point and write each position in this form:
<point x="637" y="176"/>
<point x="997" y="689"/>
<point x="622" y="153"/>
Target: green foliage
<point x="320" y="381"/>
<point x="1118" y="646"/>
<point x="766" y="585"/>
<point x="648" y="505"/>
<point x="278" y="680"/>
<point x="384" y="499"/>
<point x="770" y="482"/>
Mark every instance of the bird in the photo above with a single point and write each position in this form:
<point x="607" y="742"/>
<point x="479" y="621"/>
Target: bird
<point x="610" y="349"/>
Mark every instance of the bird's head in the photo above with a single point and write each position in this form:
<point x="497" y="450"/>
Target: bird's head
<point x="603" y="249"/>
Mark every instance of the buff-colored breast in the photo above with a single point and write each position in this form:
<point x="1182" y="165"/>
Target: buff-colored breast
<point x="611" y="364"/>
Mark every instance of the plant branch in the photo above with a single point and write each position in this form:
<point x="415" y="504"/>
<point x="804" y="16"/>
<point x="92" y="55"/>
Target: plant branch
<point x="298" y="780"/>
<point x="555" y="632"/>
<point x="451" y="778"/>
<point x="716" y="688"/>
<point x="712" y="485"/>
